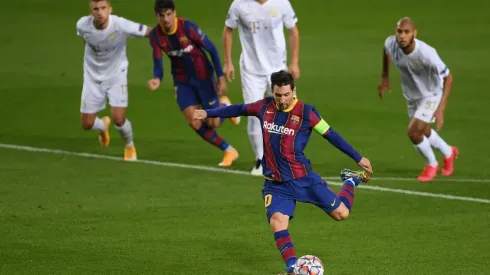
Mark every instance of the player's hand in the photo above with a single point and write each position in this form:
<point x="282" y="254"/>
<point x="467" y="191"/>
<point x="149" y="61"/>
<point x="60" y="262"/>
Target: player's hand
<point x="365" y="164"/>
<point x="153" y="84"/>
<point x="439" y="116"/>
<point x="229" y="71"/>
<point x="383" y="85"/>
<point x="294" y="70"/>
<point x="222" y="88"/>
<point x="200" y="114"/>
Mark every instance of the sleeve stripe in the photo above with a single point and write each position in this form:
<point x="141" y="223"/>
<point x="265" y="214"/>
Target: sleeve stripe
<point x="321" y="127"/>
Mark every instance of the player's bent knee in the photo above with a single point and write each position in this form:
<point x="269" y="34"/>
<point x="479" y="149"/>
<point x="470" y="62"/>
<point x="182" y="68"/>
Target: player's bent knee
<point x="415" y="135"/>
<point x="427" y="130"/>
<point x="88" y="121"/>
<point x="119" y="120"/>
<point x="118" y="115"/>
<point x="87" y="125"/>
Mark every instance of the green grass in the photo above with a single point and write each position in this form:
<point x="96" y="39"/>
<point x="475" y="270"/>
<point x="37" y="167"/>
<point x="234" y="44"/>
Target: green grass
<point x="74" y="215"/>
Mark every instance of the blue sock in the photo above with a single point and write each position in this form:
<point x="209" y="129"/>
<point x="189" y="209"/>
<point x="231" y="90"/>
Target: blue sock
<point x="285" y="246"/>
<point x="346" y="195"/>
<point x="212" y="137"/>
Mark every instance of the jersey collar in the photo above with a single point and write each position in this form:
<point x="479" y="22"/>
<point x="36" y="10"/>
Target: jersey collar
<point x="290" y="107"/>
<point x="172" y="31"/>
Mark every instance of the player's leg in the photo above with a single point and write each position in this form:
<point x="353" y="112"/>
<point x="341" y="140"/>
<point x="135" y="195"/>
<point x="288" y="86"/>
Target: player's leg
<point x="93" y="101"/>
<point x="254" y="87"/>
<point x="338" y="206"/>
<point x="207" y="93"/>
<point x="421" y="115"/>
<point x="450" y="152"/>
<point x="279" y="210"/>
<point x="117" y="92"/>
<point x="125" y="130"/>
<point x="188" y="102"/>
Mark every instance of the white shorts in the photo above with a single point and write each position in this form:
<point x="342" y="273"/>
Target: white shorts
<point x="254" y="86"/>
<point x="95" y="93"/>
<point x="424" y="108"/>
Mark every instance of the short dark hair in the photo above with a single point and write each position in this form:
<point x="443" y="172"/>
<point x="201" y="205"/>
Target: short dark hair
<point x="161" y="5"/>
<point x="282" y="78"/>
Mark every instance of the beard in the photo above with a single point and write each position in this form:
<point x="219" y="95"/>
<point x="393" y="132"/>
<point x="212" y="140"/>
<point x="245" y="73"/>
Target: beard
<point x="409" y="43"/>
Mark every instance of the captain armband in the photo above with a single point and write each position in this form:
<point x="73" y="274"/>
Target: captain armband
<point x="321" y="127"/>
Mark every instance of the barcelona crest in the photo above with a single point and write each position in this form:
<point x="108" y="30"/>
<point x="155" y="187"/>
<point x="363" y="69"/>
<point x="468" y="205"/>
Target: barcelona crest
<point x="295" y="119"/>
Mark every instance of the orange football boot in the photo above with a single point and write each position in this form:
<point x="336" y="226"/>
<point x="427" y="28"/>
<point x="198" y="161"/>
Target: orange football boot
<point x="104" y="137"/>
<point x="229" y="158"/>
<point x="130" y="153"/>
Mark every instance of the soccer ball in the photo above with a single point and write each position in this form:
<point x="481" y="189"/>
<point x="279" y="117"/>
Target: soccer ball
<point x="308" y="265"/>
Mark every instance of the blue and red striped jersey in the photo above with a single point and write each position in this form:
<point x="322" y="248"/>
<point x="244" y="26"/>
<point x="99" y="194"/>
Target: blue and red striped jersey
<point x="185" y="46"/>
<point x="285" y="137"/>
<point x="286" y="134"/>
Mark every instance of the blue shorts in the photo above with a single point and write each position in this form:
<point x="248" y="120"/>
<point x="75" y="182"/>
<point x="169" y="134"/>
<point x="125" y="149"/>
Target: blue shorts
<point x="197" y="92"/>
<point x="282" y="197"/>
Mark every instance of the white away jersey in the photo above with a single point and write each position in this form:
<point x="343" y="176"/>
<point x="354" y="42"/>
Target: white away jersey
<point x="261" y="31"/>
<point x="105" y="50"/>
<point x="422" y="71"/>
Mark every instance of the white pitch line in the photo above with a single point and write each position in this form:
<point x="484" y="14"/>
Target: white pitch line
<point x="230" y="171"/>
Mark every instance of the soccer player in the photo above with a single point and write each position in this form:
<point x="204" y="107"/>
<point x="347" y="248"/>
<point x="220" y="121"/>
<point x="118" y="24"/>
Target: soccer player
<point x="287" y="124"/>
<point x="426" y="84"/>
<point x="193" y="73"/>
<point x="105" y="70"/>
<point x="260" y="26"/>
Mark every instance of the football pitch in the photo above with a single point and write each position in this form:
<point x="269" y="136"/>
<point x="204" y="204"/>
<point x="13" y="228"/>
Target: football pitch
<point x="68" y="206"/>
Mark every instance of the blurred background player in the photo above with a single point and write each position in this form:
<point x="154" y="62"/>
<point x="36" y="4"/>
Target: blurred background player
<point x="105" y="70"/>
<point x="193" y="74"/>
<point x="426" y="84"/>
<point x="260" y="26"/>
<point x="287" y="126"/>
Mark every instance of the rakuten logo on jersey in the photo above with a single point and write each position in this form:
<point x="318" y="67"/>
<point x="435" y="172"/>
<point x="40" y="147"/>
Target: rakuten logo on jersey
<point x="276" y="129"/>
<point x="180" y="53"/>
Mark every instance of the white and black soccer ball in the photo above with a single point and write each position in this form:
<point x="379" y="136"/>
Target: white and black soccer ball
<point x="309" y="265"/>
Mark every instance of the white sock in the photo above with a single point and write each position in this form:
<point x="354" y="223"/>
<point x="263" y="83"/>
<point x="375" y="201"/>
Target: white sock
<point x="437" y="142"/>
<point x="99" y="125"/>
<point x="126" y="132"/>
<point x="255" y="135"/>
<point x="426" y="150"/>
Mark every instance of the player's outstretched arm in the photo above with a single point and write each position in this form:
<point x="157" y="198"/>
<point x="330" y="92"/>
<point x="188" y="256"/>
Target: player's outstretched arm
<point x="235" y="110"/>
<point x="225" y="112"/>
<point x="133" y="29"/>
<point x="148" y="30"/>
<point x="321" y="126"/>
